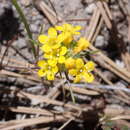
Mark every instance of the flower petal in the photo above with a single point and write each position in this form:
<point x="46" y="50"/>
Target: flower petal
<point x="47" y="56"/>
<point x="88" y="77"/>
<point x="79" y="63"/>
<point x="77" y="78"/>
<point x="68" y="37"/>
<point x="43" y="39"/>
<point x="76" y="33"/>
<point x="59" y="28"/>
<point x="67" y="27"/>
<point x="70" y="63"/>
<point x="73" y="72"/>
<point x="89" y="66"/>
<point x="63" y="50"/>
<point x="46" y="48"/>
<point x="60" y="38"/>
<point x="55" y="69"/>
<point x="52" y="62"/>
<point x="52" y="32"/>
<point x="61" y="59"/>
<point x="50" y="75"/>
<point x="41" y="63"/>
<point x="56" y="45"/>
<point x="77" y="28"/>
<point x="83" y="43"/>
<point x="41" y="73"/>
<point x="77" y="49"/>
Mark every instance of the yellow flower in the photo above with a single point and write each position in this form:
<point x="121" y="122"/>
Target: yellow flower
<point x="79" y="63"/>
<point x="88" y="77"/>
<point x="52" y="41"/>
<point x="69" y="28"/>
<point x="81" y="71"/>
<point x="78" y="68"/>
<point x="68" y="31"/>
<point x="52" y="62"/>
<point x="85" y="77"/>
<point x="56" y="56"/>
<point x="43" y="65"/>
<point x="52" y="34"/>
<point x="70" y="63"/>
<point x="68" y="38"/>
<point x="50" y="46"/>
<point x="90" y="66"/>
<point x="59" y="47"/>
<point x="46" y="70"/>
<point x="82" y="44"/>
<point x="43" y="39"/>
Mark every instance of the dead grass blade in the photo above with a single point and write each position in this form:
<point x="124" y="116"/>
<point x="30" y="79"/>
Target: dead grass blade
<point x="123" y="122"/>
<point x="43" y="112"/>
<point x="115" y="111"/>
<point x="28" y="110"/>
<point x="66" y="123"/>
<point x="100" y="22"/>
<point x="109" y="64"/>
<point x="20" y="63"/>
<point x="13" y="74"/>
<point x="104" y="14"/>
<point x="55" y="90"/>
<point x="81" y="90"/>
<point x="126" y="59"/>
<point x="93" y="23"/>
<point x="42" y="99"/>
<point x="126" y="117"/>
<point x="14" y="124"/>
<point x="107" y="10"/>
<point x="47" y="100"/>
<point x="50" y="14"/>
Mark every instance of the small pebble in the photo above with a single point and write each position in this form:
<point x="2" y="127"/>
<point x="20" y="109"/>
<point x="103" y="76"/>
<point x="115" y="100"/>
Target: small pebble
<point x="25" y="2"/>
<point x="34" y="28"/>
<point x="120" y="63"/>
<point x="90" y="8"/>
<point x="99" y="41"/>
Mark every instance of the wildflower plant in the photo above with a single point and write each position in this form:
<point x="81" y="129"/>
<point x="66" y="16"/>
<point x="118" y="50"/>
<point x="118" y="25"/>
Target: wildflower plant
<point x="61" y="53"/>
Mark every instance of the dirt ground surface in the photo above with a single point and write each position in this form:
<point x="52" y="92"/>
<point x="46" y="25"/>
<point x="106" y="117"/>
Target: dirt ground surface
<point x="28" y="102"/>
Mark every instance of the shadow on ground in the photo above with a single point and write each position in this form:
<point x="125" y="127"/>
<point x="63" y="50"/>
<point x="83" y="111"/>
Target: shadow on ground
<point x="9" y="25"/>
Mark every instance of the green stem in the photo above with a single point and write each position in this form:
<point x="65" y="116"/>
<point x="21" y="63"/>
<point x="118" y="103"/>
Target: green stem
<point x="21" y="14"/>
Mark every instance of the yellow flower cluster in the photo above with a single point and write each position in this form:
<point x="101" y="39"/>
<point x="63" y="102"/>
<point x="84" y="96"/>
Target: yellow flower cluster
<point x="60" y="54"/>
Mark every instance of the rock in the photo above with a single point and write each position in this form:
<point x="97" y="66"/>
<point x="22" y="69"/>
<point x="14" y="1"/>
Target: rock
<point x="120" y="63"/>
<point x="21" y="42"/>
<point x="34" y="28"/>
<point x="74" y="4"/>
<point x="58" y="108"/>
<point x="35" y="101"/>
<point x="25" y="2"/>
<point x="18" y="116"/>
<point x="110" y="76"/>
<point x="90" y="8"/>
<point x="99" y="41"/>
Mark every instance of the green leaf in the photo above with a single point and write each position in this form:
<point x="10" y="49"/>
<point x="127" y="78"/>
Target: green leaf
<point x="34" y="42"/>
<point x="91" y="52"/>
<point x="24" y="20"/>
